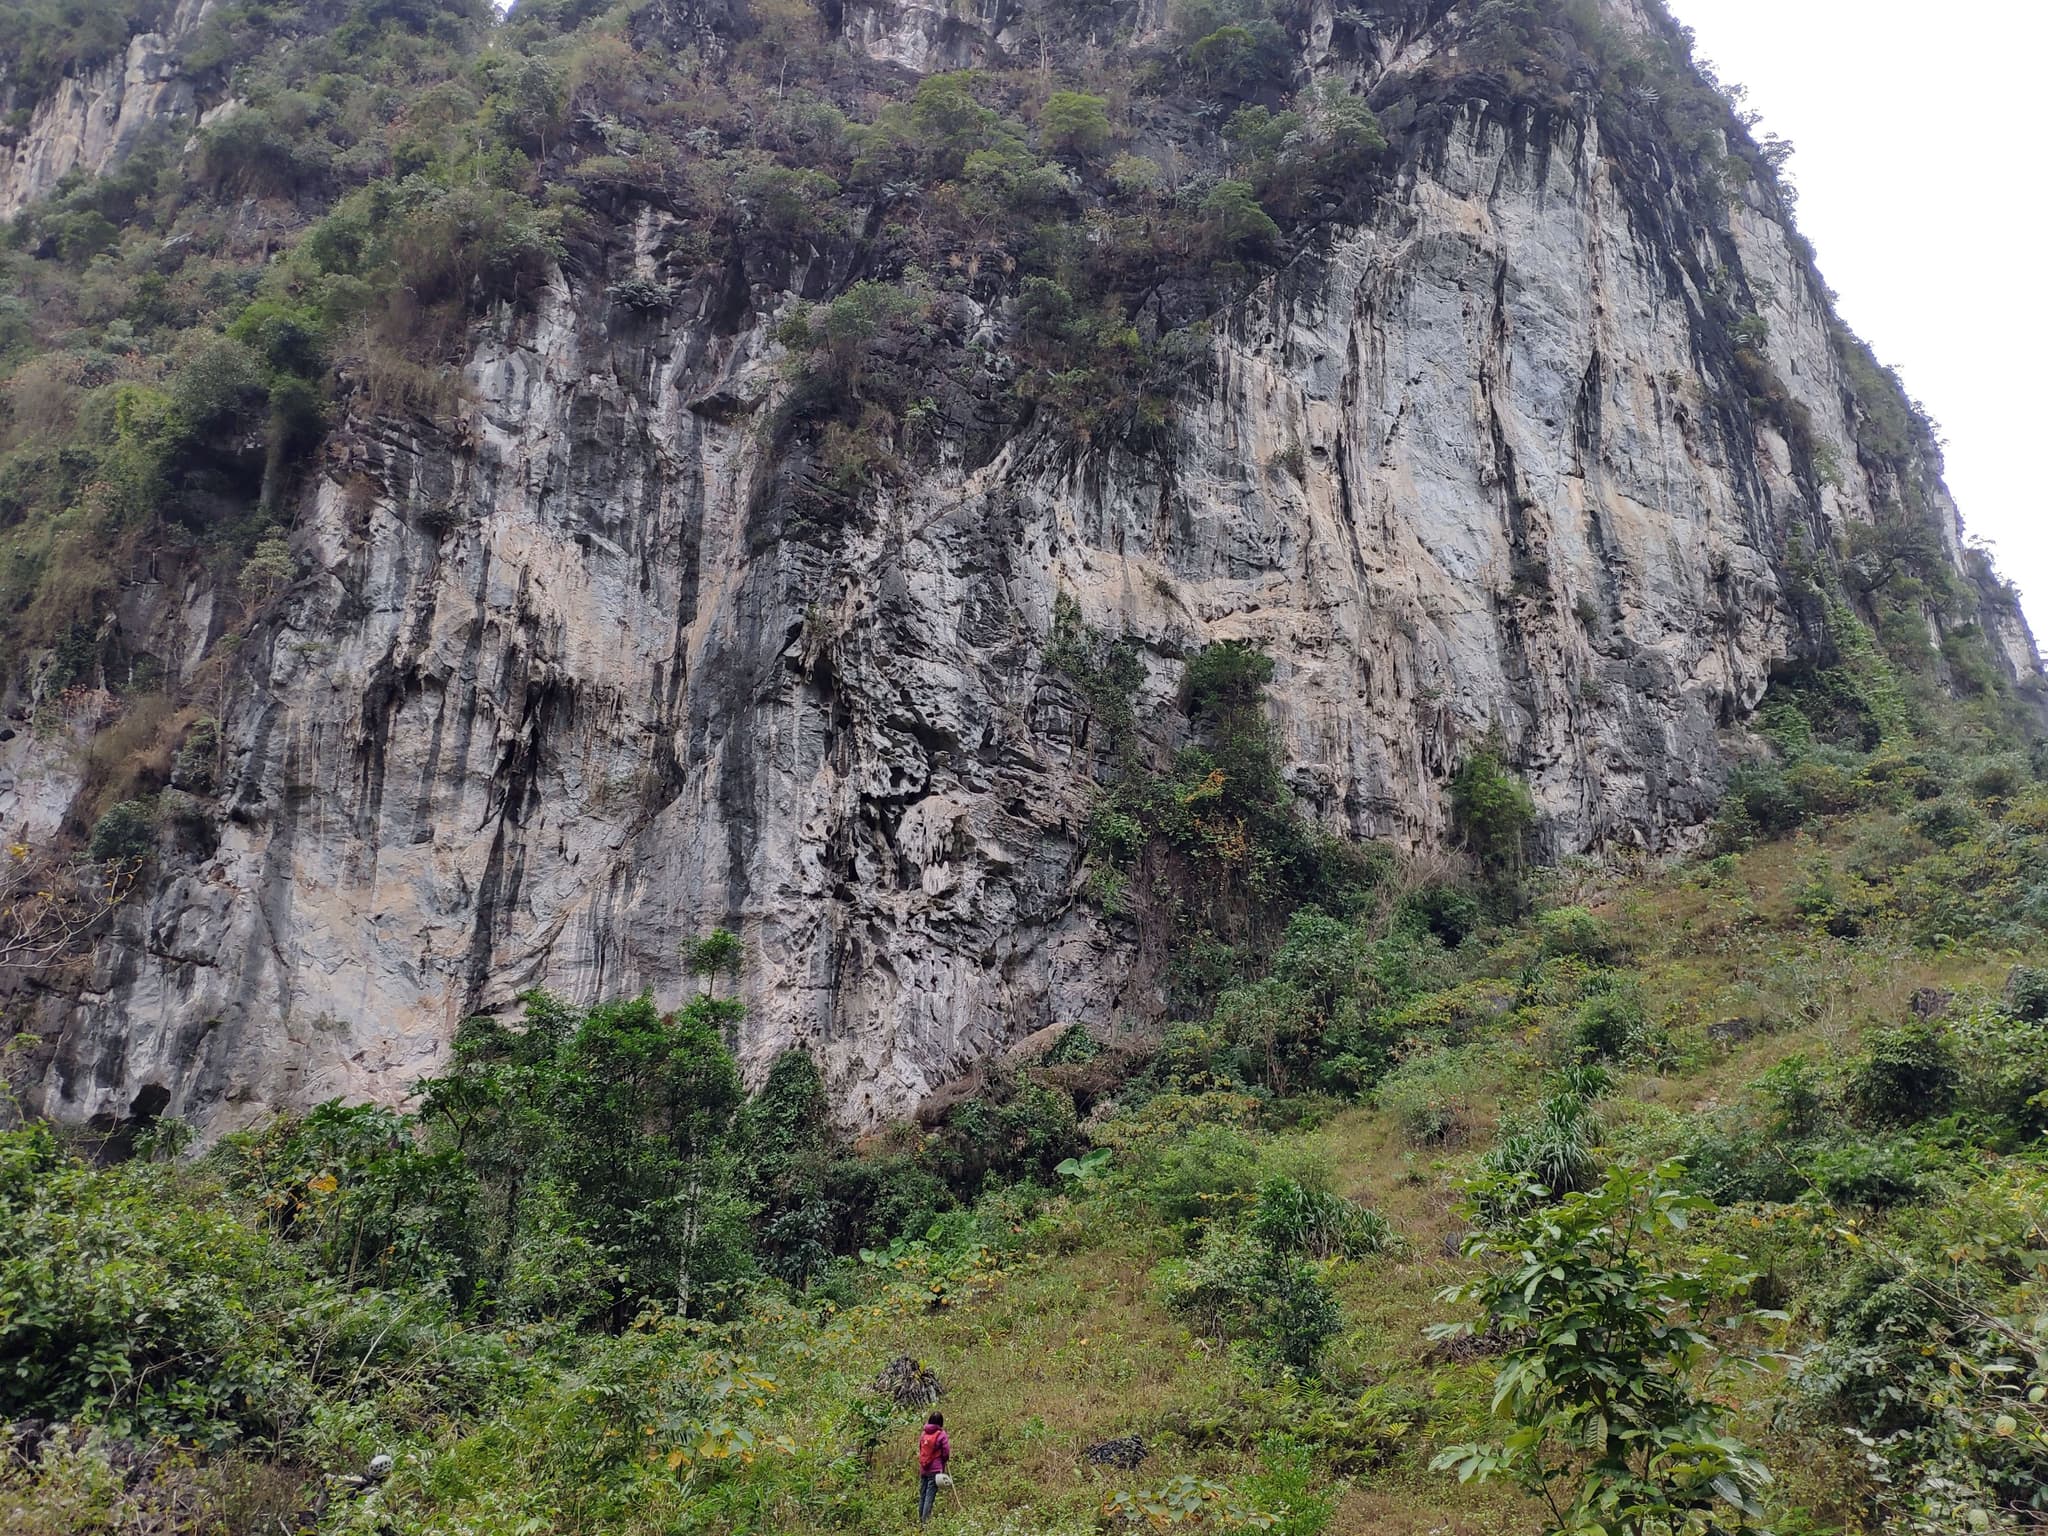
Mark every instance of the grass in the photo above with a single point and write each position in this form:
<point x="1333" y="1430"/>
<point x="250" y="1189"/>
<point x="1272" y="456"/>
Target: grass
<point x="1071" y="1345"/>
<point x="1059" y="1338"/>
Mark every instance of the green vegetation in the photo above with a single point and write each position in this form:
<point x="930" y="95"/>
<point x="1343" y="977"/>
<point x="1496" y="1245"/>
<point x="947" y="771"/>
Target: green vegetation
<point x="1784" y="1102"/>
<point x="1602" y="1375"/>
<point x="1784" y="1105"/>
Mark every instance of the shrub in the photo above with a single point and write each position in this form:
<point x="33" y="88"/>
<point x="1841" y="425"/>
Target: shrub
<point x="2004" y="1067"/>
<point x="718" y="953"/>
<point x="1821" y="786"/>
<point x="1608" y="1380"/>
<point x="1016" y="1129"/>
<point x="1871" y="1175"/>
<point x="1237" y="58"/>
<point x="2001" y="778"/>
<point x="131" y="1305"/>
<point x="1792" y="1090"/>
<point x="1451" y="912"/>
<point x="1907" y="1073"/>
<point x="124" y="832"/>
<point x="1074" y="124"/>
<point x="1429" y="1097"/>
<point x="1573" y="931"/>
<point x="267" y="572"/>
<point x="1492" y="810"/>
<point x="1238" y="1287"/>
<point x="2026" y="992"/>
<point x="1611" y="1025"/>
<point x="1760" y="795"/>
<point x="1294" y="1218"/>
<point x="1210" y="1172"/>
<point x="1235" y="225"/>
<point x="1947" y="822"/>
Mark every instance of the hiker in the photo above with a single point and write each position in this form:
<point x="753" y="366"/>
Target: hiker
<point x="933" y="1449"/>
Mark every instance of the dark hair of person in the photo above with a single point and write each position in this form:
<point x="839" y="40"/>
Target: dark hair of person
<point x="937" y="1418"/>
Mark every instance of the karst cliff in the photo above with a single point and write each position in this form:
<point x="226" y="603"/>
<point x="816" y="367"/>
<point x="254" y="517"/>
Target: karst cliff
<point x="1535" y="425"/>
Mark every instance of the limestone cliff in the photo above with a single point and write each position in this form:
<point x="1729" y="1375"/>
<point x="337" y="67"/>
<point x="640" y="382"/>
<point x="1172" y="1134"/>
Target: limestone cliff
<point x="574" y="675"/>
<point x="94" y="118"/>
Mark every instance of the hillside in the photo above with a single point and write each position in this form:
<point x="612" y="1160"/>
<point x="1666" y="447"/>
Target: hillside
<point x="1231" y="735"/>
<point x="1832" y="1031"/>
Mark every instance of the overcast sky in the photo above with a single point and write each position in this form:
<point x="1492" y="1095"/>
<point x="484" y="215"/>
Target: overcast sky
<point x="1913" y="127"/>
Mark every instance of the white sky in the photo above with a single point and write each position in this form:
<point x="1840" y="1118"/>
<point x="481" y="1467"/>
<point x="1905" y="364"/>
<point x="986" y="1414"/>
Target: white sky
<point x="1913" y="128"/>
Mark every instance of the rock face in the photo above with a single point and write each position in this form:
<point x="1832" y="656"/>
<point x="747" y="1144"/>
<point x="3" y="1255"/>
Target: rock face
<point x="92" y="120"/>
<point x="575" y="682"/>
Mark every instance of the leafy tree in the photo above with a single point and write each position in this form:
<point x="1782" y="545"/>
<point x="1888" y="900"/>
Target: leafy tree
<point x="1611" y="1365"/>
<point x="608" y="1140"/>
<point x="1260" y="133"/>
<point x="1075" y="125"/>
<point x="1239" y="57"/>
<point x="1235" y="223"/>
<point x="718" y="953"/>
<point x="41" y="41"/>
<point x="1492" y="810"/>
<point x="786" y="1132"/>
<point x="126" y="831"/>
<point x="645" y="1106"/>
<point x="352" y="1186"/>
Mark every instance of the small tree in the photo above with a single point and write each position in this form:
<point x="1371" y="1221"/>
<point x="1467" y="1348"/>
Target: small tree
<point x="786" y="1131"/>
<point x="1612" y="1361"/>
<point x="718" y="952"/>
<point x="1492" y="809"/>
<point x="123" y="834"/>
<point x="1236" y="225"/>
<point x="1075" y="125"/>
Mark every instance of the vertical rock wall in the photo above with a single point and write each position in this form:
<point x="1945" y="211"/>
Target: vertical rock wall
<point x="587" y="675"/>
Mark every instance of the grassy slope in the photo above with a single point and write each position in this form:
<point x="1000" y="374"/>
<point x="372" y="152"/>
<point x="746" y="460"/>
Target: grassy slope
<point x="1071" y="1345"/>
<point x="1060" y="1339"/>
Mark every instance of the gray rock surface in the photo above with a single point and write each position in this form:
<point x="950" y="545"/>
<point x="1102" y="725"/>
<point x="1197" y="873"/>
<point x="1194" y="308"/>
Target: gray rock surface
<point x="93" y="119"/>
<point x="565" y="684"/>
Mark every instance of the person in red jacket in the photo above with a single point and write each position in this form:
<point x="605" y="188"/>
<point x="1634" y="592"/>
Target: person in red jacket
<point x="933" y="1451"/>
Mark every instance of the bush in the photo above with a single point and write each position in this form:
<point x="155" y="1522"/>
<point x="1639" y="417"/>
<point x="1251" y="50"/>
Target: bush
<point x="1872" y="1175"/>
<point x="1451" y="912"/>
<point x="133" y="1306"/>
<point x="1947" y="822"/>
<point x="1908" y="1073"/>
<point x="123" y="833"/>
<point x="1238" y="1287"/>
<point x="1430" y="1097"/>
<point x="2026" y="992"/>
<point x="1611" y="1025"/>
<point x="1211" y="1172"/>
<point x="1235" y="225"/>
<point x="1293" y="1218"/>
<point x="1792" y="1091"/>
<point x="1573" y="931"/>
<point x="1016" y="1130"/>
<point x="1608" y="1351"/>
<point x="2001" y="778"/>
<point x="2004" y="1065"/>
<point x="1492" y="810"/>
<point x="1074" y="124"/>
<point x="1760" y="796"/>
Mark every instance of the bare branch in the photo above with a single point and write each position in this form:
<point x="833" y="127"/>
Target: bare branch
<point x="49" y="905"/>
